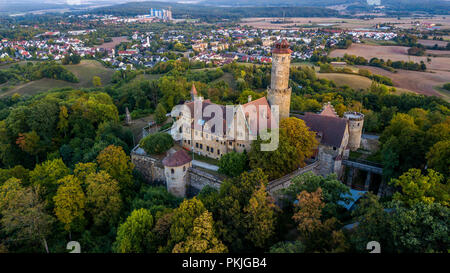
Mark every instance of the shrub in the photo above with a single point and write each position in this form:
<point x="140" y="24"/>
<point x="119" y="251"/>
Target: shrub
<point x="447" y="86"/>
<point x="157" y="143"/>
<point x="233" y="164"/>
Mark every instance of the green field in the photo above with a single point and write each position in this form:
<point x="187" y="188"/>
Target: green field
<point x="354" y="81"/>
<point x="84" y="72"/>
<point x="445" y="93"/>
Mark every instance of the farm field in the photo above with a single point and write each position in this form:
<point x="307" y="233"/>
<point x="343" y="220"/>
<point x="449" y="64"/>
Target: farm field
<point x="404" y="22"/>
<point x="354" y="81"/>
<point x="419" y="82"/>
<point x="84" y="72"/>
<point x="395" y="53"/>
<point x="432" y="42"/>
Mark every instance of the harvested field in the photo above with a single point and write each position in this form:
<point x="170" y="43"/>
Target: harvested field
<point x="394" y="53"/>
<point x="419" y="82"/>
<point x="432" y="42"/>
<point x="346" y="23"/>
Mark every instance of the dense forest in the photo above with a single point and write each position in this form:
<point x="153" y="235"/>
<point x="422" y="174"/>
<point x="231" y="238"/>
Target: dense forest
<point x="66" y="172"/>
<point x="213" y="13"/>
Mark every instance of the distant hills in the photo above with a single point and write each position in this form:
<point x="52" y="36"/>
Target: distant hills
<point x="231" y="8"/>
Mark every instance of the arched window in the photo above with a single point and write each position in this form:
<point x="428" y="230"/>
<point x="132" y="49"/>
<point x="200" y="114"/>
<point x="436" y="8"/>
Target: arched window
<point x="172" y="171"/>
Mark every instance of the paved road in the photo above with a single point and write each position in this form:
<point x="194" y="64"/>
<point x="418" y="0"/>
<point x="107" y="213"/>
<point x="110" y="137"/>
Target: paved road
<point x="205" y="165"/>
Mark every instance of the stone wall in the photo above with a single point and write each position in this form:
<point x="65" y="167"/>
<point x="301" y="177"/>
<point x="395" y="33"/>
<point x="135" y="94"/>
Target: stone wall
<point x="150" y="168"/>
<point x="197" y="179"/>
<point x="370" y="144"/>
<point x="285" y="181"/>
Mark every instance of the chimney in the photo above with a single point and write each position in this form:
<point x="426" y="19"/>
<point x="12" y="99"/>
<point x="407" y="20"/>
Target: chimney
<point x="249" y="98"/>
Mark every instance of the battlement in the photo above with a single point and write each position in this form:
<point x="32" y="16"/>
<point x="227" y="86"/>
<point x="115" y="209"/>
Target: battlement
<point x="354" y="116"/>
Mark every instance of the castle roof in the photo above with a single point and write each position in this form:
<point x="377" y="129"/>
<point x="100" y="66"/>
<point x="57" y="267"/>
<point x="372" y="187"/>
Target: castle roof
<point x="253" y="123"/>
<point x="282" y="47"/>
<point x="177" y="159"/>
<point x="194" y="90"/>
<point x="331" y="128"/>
<point x="246" y="108"/>
<point x="328" y="110"/>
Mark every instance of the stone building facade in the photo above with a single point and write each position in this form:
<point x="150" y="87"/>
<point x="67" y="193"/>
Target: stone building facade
<point x="336" y="137"/>
<point x="236" y="128"/>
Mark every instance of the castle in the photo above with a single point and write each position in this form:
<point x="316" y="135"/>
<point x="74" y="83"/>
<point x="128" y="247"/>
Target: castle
<point x="238" y="126"/>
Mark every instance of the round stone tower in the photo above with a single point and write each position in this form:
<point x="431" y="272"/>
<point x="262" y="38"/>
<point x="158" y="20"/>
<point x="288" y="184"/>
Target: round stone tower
<point x="176" y="166"/>
<point x="355" y="125"/>
<point x="279" y="92"/>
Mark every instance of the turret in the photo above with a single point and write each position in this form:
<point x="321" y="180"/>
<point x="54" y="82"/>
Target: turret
<point x="355" y="126"/>
<point x="176" y="166"/>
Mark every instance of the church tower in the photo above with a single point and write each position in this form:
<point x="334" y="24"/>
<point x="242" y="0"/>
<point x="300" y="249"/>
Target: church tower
<point x="279" y="92"/>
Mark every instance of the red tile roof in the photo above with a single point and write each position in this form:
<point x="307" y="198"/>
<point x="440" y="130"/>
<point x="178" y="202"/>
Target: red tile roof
<point x="282" y="48"/>
<point x="194" y="90"/>
<point x="177" y="159"/>
<point x="328" y="110"/>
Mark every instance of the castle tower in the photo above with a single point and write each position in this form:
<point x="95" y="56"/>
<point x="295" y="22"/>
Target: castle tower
<point x="355" y="125"/>
<point x="176" y="166"/>
<point x="279" y="92"/>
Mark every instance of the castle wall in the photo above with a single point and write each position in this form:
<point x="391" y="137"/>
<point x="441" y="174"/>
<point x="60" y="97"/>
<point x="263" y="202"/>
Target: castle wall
<point x="150" y="168"/>
<point x="370" y="144"/>
<point x="197" y="179"/>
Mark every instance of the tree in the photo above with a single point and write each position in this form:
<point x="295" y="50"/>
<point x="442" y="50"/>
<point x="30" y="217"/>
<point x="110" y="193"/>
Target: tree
<point x="296" y="144"/>
<point x="155" y="199"/>
<point x="421" y="228"/>
<point x="46" y="175"/>
<point x="103" y="200"/>
<point x="315" y="233"/>
<point x="372" y="224"/>
<point x="243" y="97"/>
<point x="70" y="203"/>
<point x="333" y="191"/>
<point x="183" y="220"/>
<point x="63" y="123"/>
<point x="135" y="234"/>
<point x="117" y="164"/>
<point x="156" y="143"/>
<point x="260" y="217"/>
<point x="439" y="157"/>
<point x="202" y="239"/>
<point x="236" y="217"/>
<point x="402" y="146"/>
<point x="23" y="213"/>
<point x="416" y="187"/>
<point x="160" y="114"/>
<point x="288" y="247"/>
<point x="233" y="164"/>
<point x="29" y="143"/>
<point x="83" y="170"/>
<point x="96" y="81"/>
